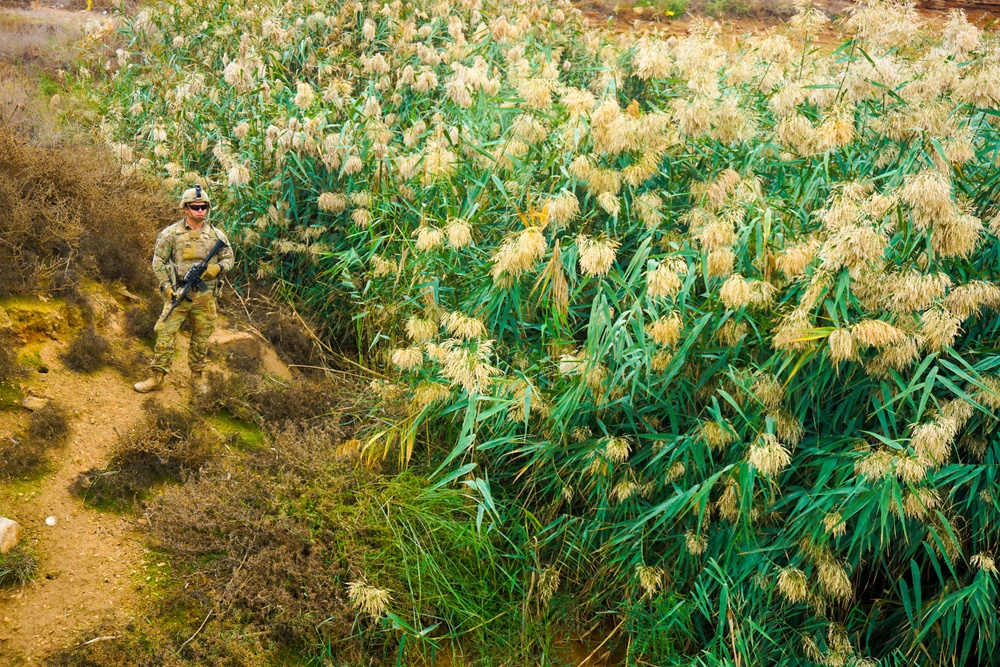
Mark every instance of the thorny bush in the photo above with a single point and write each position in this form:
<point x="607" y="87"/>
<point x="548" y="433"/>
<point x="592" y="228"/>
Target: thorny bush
<point x="140" y="319"/>
<point x="88" y="352"/>
<point x="166" y="444"/>
<point x="50" y="424"/>
<point x="23" y="454"/>
<point x="68" y="204"/>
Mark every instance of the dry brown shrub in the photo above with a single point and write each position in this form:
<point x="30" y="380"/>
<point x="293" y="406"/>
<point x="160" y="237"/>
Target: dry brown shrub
<point x="67" y="205"/>
<point x="20" y="457"/>
<point x="271" y="401"/>
<point x="88" y="352"/>
<point x="131" y="360"/>
<point x="23" y="454"/>
<point x="291" y="338"/>
<point x="140" y="319"/>
<point x="242" y="362"/>
<point x="49" y="425"/>
<point x="166" y="444"/>
<point x="9" y="366"/>
<point x="282" y="573"/>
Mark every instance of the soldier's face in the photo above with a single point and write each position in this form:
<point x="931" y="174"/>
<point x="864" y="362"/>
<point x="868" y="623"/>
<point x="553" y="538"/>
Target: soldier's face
<point x="197" y="211"/>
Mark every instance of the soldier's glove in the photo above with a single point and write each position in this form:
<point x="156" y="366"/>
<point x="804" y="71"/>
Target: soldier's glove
<point x="167" y="290"/>
<point x="211" y="271"/>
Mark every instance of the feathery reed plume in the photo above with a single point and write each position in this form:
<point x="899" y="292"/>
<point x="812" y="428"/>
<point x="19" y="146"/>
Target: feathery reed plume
<point x="369" y="600"/>
<point x="596" y="255"/>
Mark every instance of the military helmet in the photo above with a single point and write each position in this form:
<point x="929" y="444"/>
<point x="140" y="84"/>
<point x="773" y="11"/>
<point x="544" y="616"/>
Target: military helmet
<point x="195" y="194"/>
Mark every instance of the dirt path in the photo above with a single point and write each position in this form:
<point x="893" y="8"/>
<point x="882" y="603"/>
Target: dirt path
<point x="88" y="560"/>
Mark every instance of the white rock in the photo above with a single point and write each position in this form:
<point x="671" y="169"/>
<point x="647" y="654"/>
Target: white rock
<point x="34" y="403"/>
<point x="50" y="521"/>
<point x="10" y="534"/>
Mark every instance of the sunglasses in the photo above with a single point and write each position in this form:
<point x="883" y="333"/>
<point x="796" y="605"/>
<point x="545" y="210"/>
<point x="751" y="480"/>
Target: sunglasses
<point x="198" y="207"/>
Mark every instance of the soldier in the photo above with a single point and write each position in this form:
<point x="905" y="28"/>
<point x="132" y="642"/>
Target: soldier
<point x="179" y="247"/>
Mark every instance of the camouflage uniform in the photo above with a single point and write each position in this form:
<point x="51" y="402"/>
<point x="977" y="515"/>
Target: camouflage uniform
<point x="178" y="248"/>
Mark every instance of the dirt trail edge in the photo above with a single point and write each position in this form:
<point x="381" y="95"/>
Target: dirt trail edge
<point x="87" y="560"/>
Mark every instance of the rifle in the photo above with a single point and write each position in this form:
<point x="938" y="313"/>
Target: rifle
<point x="192" y="279"/>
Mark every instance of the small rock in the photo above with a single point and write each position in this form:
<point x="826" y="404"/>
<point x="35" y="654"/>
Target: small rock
<point x="34" y="403"/>
<point x="239" y="342"/>
<point x="10" y="534"/>
<point x="50" y="521"/>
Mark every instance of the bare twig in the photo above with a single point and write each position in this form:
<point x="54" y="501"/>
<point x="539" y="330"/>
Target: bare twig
<point x="200" y="628"/>
<point x="605" y="641"/>
<point x="98" y="639"/>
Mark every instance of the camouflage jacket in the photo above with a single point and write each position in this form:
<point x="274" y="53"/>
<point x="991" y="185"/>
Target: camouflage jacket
<point x="178" y="248"/>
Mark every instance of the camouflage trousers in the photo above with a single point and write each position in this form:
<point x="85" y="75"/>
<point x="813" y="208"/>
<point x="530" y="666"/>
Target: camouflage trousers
<point x="200" y="312"/>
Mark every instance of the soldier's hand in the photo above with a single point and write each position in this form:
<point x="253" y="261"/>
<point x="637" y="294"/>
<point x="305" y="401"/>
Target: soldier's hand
<point x="211" y="271"/>
<point x="167" y="290"/>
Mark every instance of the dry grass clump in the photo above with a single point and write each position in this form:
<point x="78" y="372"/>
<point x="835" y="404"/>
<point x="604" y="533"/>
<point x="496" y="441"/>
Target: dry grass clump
<point x="129" y="358"/>
<point x="166" y="444"/>
<point x="88" y="352"/>
<point x="17" y="566"/>
<point x="49" y="425"/>
<point x="24" y="453"/>
<point x="19" y="456"/>
<point x="241" y="362"/>
<point x="141" y="644"/>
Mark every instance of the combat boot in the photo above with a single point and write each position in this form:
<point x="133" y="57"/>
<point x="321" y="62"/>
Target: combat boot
<point x="199" y="383"/>
<point x="152" y="383"/>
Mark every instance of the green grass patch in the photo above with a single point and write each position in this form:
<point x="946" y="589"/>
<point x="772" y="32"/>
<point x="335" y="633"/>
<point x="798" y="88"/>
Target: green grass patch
<point x="235" y="431"/>
<point x="30" y="356"/>
<point x="17" y="566"/>
<point x="10" y="396"/>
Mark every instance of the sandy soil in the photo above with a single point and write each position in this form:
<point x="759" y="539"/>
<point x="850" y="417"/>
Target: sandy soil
<point x="89" y="560"/>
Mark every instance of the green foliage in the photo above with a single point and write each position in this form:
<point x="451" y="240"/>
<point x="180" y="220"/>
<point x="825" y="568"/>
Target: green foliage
<point x="727" y="317"/>
<point x="665" y="7"/>
<point x="719" y="8"/>
<point x="235" y="431"/>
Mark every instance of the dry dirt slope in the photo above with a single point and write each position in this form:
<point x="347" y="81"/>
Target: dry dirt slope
<point x="92" y="566"/>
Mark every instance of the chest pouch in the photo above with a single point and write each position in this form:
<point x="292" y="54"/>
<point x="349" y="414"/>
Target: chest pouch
<point x="192" y="248"/>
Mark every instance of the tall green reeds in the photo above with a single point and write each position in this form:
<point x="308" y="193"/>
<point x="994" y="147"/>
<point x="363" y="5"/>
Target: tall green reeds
<point x="708" y="331"/>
